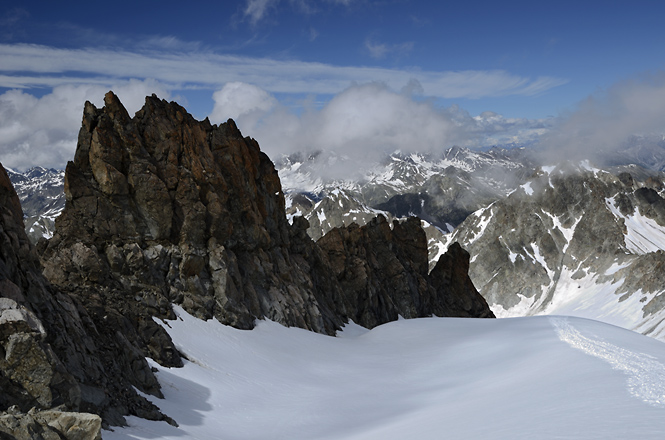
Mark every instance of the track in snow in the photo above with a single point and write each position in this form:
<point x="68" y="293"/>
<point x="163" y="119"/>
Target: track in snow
<point x="646" y="376"/>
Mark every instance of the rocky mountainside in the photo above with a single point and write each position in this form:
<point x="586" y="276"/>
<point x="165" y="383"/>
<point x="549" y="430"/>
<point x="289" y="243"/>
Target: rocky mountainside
<point x="42" y="197"/>
<point x="574" y="240"/>
<point x="456" y="184"/>
<point x="384" y="268"/>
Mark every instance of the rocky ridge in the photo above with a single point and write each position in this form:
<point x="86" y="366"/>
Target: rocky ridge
<point x="162" y="209"/>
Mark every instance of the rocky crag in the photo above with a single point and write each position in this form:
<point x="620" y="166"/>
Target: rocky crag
<point x="386" y="269"/>
<point x="162" y="209"/>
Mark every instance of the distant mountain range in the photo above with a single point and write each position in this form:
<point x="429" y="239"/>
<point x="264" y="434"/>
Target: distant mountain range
<point x="40" y="191"/>
<point x="568" y="239"/>
<point x="571" y="239"/>
<point x="577" y="241"/>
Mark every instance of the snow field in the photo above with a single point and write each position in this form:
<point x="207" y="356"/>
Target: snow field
<point x="429" y="378"/>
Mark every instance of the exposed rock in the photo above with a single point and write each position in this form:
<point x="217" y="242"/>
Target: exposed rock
<point x="573" y="241"/>
<point x="51" y="352"/>
<point x="49" y="425"/>
<point x="163" y="209"/>
<point x="31" y="374"/>
<point x="383" y="272"/>
<point x="457" y="294"/>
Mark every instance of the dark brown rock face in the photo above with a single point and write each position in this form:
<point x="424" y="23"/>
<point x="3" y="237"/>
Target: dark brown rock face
<point x="383" y="272"/>
<point x="457" y="294"/>
<point x="35" y="322"/>
<point x="162" y="208"/>
<point x="165" y="209"/>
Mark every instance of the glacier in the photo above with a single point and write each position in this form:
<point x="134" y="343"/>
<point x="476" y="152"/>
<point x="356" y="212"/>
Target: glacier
<point x="539" y="377"/>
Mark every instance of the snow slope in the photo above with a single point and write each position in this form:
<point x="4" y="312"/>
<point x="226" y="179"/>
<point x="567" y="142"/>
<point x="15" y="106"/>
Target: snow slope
<point x="521" y="378"/>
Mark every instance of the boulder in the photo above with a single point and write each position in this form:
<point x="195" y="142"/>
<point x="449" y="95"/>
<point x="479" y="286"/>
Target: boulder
<point x="49" y="425"/>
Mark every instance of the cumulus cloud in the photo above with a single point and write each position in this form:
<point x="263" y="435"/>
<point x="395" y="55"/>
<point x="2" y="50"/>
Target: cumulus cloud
<point x="363" y="123"/>
<point x="237" y="99"/>
<point x="43" y="131"/>
<point x="604" y="122"/>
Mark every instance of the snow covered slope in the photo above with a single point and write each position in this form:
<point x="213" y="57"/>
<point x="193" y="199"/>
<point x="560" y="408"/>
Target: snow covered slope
<point x="582" y="242"/>
<point x="432" y="378"/>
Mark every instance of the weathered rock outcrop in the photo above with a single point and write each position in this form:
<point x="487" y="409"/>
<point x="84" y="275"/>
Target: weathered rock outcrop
<point x="162" y="208"/>
<point x="49" y="425"/>
<point x="383" y="272"/>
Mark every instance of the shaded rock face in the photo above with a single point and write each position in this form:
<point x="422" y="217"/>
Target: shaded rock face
<point x="50" y="355"/>
<point x="162" y="208"/>
<point x="31" y="373"/>
<point x="383" y="272"/>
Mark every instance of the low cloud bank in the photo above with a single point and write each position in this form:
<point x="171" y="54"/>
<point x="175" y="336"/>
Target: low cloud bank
<point x="605" y="123"/>
<point x="364" y="123"/>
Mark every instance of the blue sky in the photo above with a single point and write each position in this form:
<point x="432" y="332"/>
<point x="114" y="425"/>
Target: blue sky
<point x="271" y="63"/>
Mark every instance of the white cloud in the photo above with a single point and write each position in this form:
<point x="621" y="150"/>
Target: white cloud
<point x="381" y="50"/>
<point x="258" y="9"/>
<point x="43" y="131"/>
<point x="48" y="66"/>
<point x="365" y="122"/>
<point x="312" y="34"/>
<point x="604" y="122"/>
<point x="237" y="99"/>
